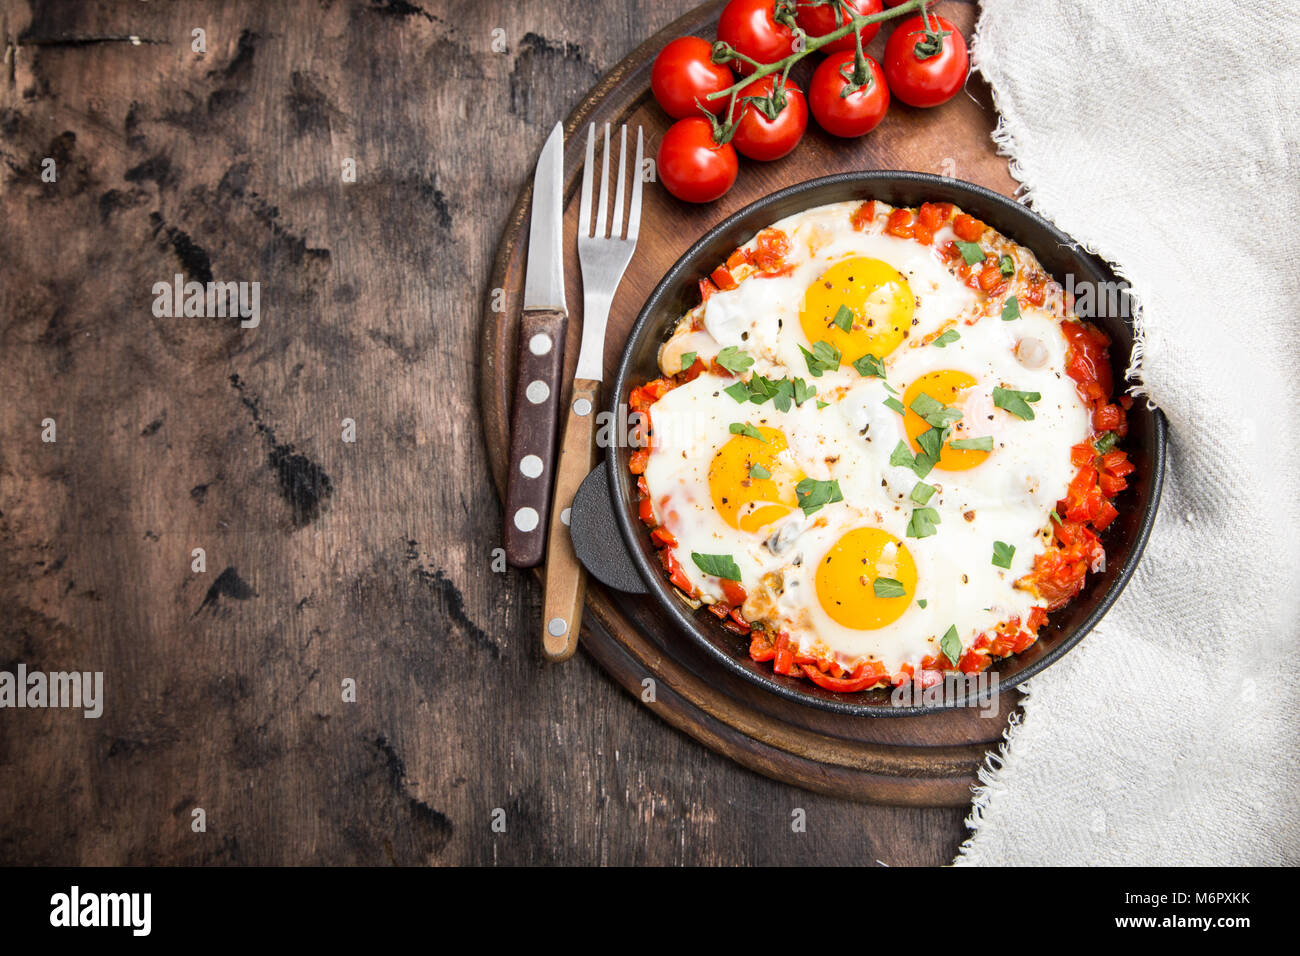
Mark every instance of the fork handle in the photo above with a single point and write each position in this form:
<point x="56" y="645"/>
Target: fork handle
<point x="566" y="580"/>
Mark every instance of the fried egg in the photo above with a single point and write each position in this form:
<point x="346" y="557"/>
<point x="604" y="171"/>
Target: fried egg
<point x="846" y="533"/>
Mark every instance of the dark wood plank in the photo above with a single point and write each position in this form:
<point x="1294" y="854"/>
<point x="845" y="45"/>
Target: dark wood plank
<point x="326" y="560"/>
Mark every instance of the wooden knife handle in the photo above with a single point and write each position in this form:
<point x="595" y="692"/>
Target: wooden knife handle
<point x="566" y="580"/>
<point x="532" y="436"/>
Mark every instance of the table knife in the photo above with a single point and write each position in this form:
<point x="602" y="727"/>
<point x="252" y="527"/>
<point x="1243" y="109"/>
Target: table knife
<point x="541" y="359"/>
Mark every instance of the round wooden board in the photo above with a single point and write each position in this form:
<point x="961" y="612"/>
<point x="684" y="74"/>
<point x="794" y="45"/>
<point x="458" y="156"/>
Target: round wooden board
<point x="918" y="761"/>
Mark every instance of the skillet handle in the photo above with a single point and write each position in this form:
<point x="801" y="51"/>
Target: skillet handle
<point x="597" y="539"/>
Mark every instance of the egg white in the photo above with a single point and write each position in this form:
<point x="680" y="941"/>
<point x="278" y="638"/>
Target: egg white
<point x="761" y="315"/>
<point x="1006" y="498"/>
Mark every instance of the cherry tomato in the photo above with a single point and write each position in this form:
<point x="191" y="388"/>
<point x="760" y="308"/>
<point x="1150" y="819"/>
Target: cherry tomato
<point x="691" y="165"/>
<point x="851" y="115"/>
<point x="748" y="26"/>
<point x="683" y="73"/>
<point x="819" y="20"/>
<point x="765" y="139"/>
<point x="919" y="79"/>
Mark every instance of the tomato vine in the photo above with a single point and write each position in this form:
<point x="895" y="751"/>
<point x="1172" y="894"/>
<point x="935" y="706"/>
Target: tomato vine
<point x="784" y="12"/>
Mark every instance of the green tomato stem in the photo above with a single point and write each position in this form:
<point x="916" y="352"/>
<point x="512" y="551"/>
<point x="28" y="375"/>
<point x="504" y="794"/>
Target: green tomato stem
<point x="814" y="43"/>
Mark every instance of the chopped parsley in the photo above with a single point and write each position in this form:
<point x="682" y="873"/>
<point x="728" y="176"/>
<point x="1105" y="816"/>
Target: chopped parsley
<point x="746" y="429"/>
<point x="739" y="391"/>
<point x="922" y="603"/>
<point x="922" y="523"/>
<point x="1007" y="265"/>
<point x="779" y="391"/>
<point x="895" y="404"/>
<point x="888" y="588"/>
<point x="950" y="644"/>
<point x="931" y="442"/>
<point x="902" y="457"/>
<point x="1105" y="443"/>
<point x="933" y="412"/>
<point x="758" y="471"/>
<point x="971" y="252"/>
<point x="784" y="395"/>
<point x="1011" y="309"/>
<point x="719" y="565"/>
<point x="922" y="493"/>
<point x="802" y="390"/>
<point x="734" y="360"/>
<point x="972" y="444"/>
<point x="1017" y="403"/>
<point x="869" y="366"/>
<point x="823" y="358"/>
<point x="844" y="318"/>
<point x="813" y="494"/>
<point x="1002" y="554"/>
<point x="689" y="359"/>
<point x="942" y="341"/>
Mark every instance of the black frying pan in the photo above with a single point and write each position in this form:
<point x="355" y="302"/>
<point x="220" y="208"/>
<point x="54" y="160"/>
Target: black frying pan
<point x="615" y="546"/>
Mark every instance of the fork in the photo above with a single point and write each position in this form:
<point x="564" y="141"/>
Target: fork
<point x="604" y="256"/>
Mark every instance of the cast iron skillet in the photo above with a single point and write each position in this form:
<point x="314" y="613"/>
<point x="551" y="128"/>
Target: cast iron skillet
<point x="615" y="546"/>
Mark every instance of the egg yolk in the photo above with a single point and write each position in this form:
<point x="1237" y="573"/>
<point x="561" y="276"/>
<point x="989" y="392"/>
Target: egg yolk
<point x="879" y="298"/>
<point x="744" y="498"/>
<point x="949" y="387"/>
<point x="847" y="574"/>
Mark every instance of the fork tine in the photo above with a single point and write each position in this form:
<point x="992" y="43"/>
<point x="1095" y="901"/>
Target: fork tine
<point x="588" y="167"/>
<point x="634" y="214"/>
<point x="604" y="188"/>
<point x="616" y="230"/>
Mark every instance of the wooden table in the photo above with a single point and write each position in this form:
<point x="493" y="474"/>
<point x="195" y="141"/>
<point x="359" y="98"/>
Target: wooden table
<point x="326" y="560"/>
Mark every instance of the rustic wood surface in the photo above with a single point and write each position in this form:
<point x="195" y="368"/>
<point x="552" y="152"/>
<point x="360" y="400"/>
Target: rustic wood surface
<point x="922" y="761"/>
<point x="326" y="559"/>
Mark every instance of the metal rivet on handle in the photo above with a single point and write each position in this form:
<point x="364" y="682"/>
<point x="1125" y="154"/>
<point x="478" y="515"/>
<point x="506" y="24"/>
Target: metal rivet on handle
<point x="582" y="407"/>
<point x="557" y="626"/>
<point x="539" y="344"/>
<point x="564" y="516"/>
<point x="537" y="391"/>
<point x="530" y="466"/>
<point x="526" y="519"/>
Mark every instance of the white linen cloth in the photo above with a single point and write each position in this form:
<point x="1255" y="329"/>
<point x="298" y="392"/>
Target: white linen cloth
<point x="1164" y="136"/>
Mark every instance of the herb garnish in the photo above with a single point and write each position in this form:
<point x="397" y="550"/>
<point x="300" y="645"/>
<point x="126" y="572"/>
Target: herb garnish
<point x="746" y="429"/>
<point x="719" y="565"/>
<point x="951" y="645"/>
<point x="1017" y="403"/>
<point x="922" y="523"/>
<point x="888" y="588"/>
<point x="823" y="358"/>
<point x="813" y="494"/>
<point x="734" y="360"/>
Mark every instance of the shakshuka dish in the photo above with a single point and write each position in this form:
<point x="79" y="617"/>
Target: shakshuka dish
<point x="883" y="446"/>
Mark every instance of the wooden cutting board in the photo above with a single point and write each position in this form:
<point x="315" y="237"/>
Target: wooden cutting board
<point x="916" y="761"/>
